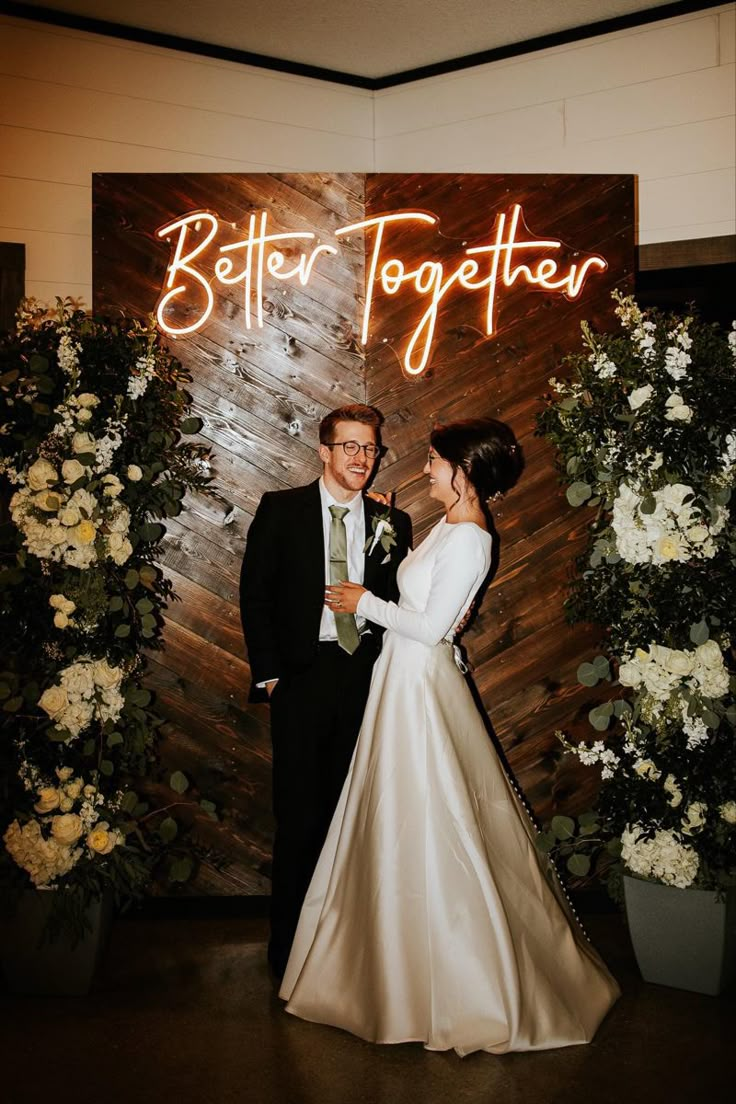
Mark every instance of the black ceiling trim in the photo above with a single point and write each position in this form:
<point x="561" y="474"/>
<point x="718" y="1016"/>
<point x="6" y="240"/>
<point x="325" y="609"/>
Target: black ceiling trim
<point x="51" y="16"/>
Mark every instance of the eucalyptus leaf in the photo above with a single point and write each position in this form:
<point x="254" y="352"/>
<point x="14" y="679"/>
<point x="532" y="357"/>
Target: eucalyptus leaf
<point x="578" y="493"/>
<point x="699" y="632"/>
<point x="168" y="830"/>
<point x="587" y="675"/>
<point x="563" y="827"/>
<point x="179" y="782"/>
<point x="181" y="870"/>
<point x="579" y="865"/>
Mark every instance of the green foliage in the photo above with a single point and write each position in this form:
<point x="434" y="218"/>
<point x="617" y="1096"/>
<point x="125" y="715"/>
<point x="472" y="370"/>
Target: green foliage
<point x="645" y="431"/>
<point x="93" y="459"/>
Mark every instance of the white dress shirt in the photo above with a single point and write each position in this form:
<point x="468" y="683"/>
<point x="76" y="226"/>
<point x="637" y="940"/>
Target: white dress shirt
<point x="355" y="528"/>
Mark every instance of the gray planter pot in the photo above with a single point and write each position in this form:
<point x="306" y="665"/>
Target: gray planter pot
<point x="30" y="965"/>
<point x="684" y="938"/>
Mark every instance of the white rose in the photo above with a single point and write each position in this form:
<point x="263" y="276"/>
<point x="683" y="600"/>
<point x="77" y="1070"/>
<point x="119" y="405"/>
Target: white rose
<point x="134" y="473"/>
<point x="119" y="522"/>
<point x="106" y="676"/>
<point x="86" y="399"/>
<point x="54" y="700"/>
<point x="670" y="547"/>
<point x="121" y="554"/>
<point x="697" y="534"/>
<point x="676" y="409"/>
<point x="84" y="416"/>
<point x="48" y="799"/>
<point x="629" y="674"/>
<point x="640" y="396"/>
<point x="112" y="486"/>
<point x="679" y="663"/>
<point x="728" y="812"/>
<point x="60" y="619"/>
<point x="73" y="789"/>
<point x="66" y="829"/>
<point x="694" y="818"/>
<point x="47" y="501"/>
<point x="64" y="773"/>
<point x="709" y="654"/>
<point x="72" y="470"/>
<point x="40" y="475"/>
<point x="70" y="516"/>
<point x="645" y="768"/>
<point x="671" y="787"/>
<point x="65" y="803"/>
<point x="83" y="442"/>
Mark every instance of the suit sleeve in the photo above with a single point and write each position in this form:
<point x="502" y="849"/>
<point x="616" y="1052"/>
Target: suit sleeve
<point x="258" y="581"/>
<point x="460" y="566"/>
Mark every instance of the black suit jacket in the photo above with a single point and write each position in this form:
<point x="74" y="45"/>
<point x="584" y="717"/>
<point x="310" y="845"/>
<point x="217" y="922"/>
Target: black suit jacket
<point x="282" y="581"/>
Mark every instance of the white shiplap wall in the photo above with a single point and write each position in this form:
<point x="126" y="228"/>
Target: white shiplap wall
<point x="72" y="104"/>
<point x="657" y="101"/>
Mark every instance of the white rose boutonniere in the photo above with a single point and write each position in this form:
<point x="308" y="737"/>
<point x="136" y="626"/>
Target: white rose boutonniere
<point x="383" y="534"/>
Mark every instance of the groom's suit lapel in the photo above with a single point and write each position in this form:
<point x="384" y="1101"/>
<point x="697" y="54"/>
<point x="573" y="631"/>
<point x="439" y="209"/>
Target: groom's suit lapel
<point x="370" y="570"/>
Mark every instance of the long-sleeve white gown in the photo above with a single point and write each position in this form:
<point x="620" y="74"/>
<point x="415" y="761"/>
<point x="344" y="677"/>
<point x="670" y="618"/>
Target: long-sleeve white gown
<point x="431" y="917"/>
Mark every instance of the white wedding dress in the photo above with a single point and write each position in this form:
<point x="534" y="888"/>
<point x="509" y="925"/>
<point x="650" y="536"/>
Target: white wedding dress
<point x="431" y="916"/>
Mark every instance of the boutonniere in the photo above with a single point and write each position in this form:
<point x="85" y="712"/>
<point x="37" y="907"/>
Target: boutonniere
<point x="383" y="534"/>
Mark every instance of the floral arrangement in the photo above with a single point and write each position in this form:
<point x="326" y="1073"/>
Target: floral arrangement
<point x="91" y="457"/>
<point x="645" y="428"/>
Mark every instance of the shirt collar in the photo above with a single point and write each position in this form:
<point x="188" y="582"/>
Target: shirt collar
<point x="355" y="505"/>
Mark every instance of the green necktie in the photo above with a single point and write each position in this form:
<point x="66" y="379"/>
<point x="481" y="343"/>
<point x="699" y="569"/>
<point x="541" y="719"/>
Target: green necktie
<point x="347" y="630"/>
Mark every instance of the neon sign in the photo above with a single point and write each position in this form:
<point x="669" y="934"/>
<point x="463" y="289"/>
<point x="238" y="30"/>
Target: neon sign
<point x="507" y="259"/>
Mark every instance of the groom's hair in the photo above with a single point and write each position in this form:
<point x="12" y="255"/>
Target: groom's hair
<point x="356" y="412"/>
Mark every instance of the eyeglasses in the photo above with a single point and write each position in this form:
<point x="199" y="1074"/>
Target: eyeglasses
<point x="352" y="448"/>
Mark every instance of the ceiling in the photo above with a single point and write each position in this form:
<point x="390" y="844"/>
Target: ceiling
<point x="370" y="39"/>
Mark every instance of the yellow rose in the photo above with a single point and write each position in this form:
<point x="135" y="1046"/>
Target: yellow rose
<point x="54" y="701"/>
<point x="60" y="619"/>
<point x="48" y="799"/>
<point x="101" y="840"/>
<point x="85" y="532"/>
<point x="67" y="828"/>
<point x="40" y="475"/>
<point x="72" y="470"/>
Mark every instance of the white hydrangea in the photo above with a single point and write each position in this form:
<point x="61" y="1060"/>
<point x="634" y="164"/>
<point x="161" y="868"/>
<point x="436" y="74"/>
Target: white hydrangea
<point x="659" y="672"/>
<point x="663" y="858"/>
<point x="674" y="531"/>
<point x="43" y="859"/>
<point x="86" y="690"/>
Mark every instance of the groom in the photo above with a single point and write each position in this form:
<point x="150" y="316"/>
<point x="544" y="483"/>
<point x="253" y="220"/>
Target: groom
<point x="315" y="666"/>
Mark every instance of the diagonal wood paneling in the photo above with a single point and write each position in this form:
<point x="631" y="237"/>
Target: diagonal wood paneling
<point x="261" y="394"/>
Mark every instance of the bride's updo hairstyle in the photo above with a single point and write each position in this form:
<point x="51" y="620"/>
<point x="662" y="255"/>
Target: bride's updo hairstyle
<point x="485" y="449"/>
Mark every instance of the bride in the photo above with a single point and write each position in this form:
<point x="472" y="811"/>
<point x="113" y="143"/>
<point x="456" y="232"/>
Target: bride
<point x="431" y="916"/>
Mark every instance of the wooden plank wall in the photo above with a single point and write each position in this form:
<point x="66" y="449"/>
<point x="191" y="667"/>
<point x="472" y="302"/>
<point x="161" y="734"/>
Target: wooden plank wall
<point x="261" y="394"/>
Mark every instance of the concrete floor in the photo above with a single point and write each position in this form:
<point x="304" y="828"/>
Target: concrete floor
<point x="184" y="1011"/>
